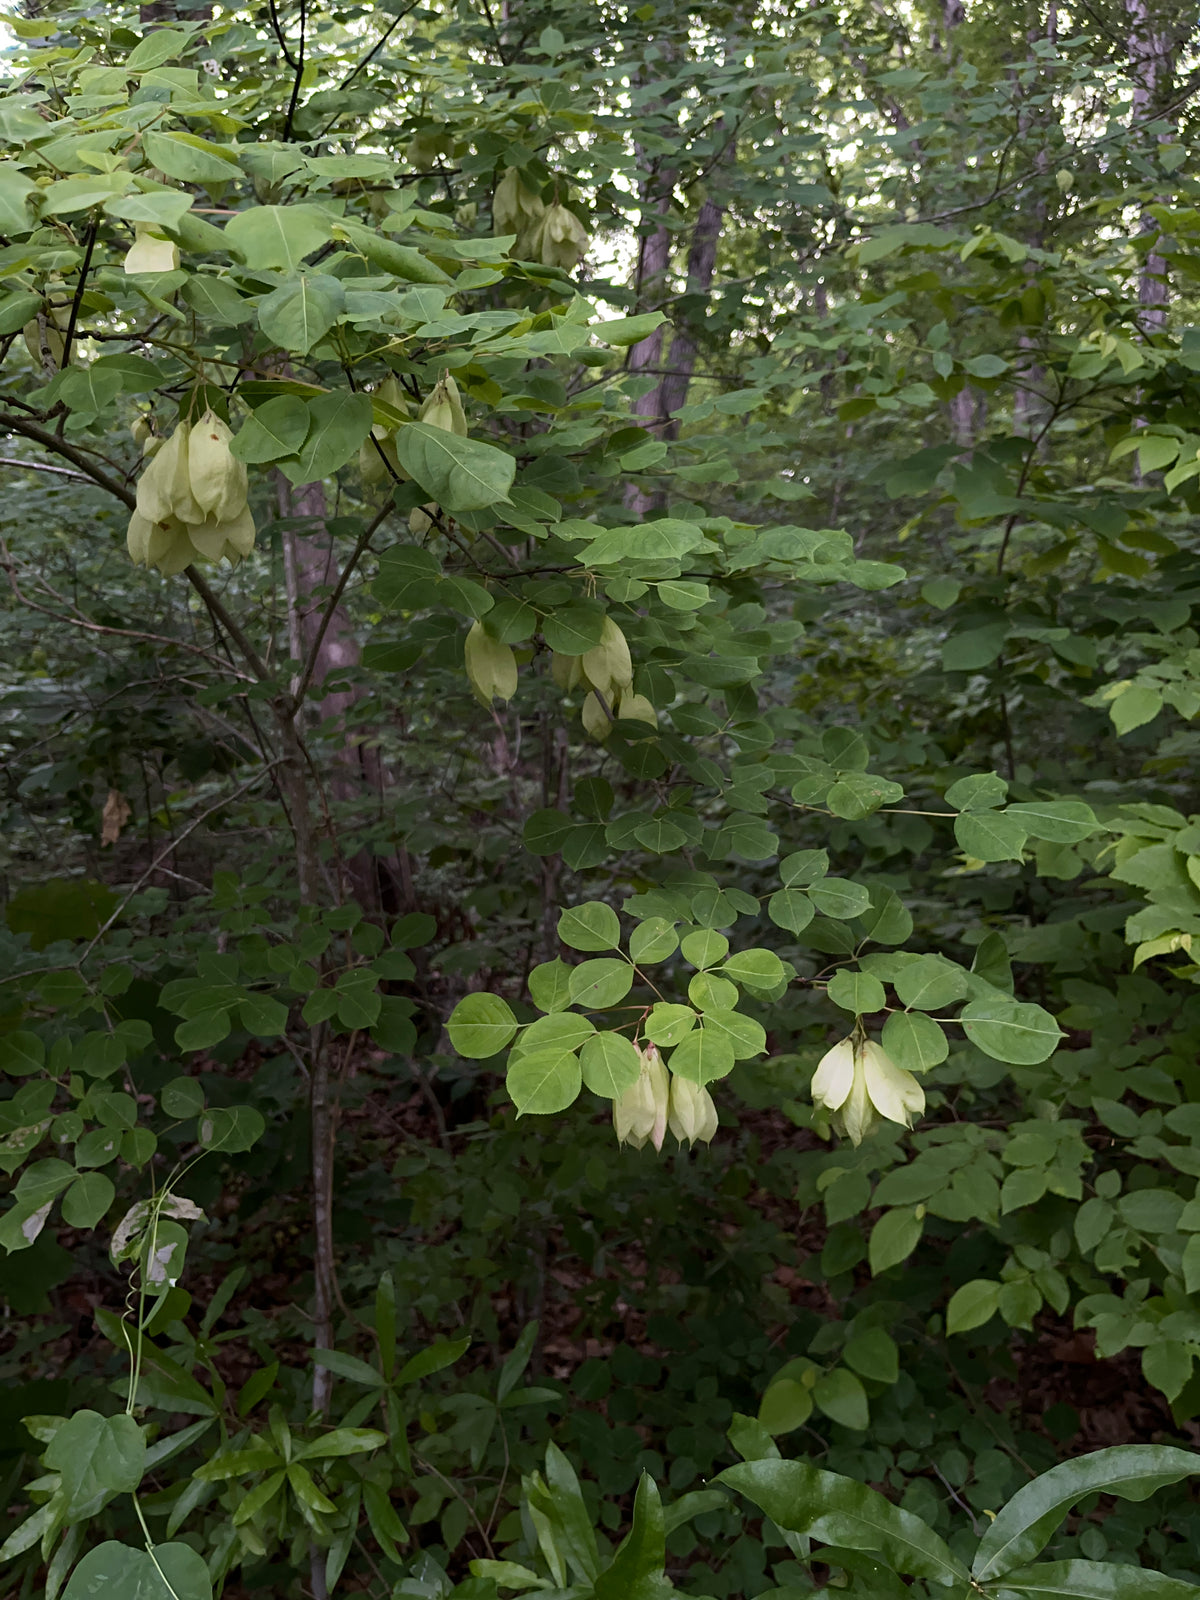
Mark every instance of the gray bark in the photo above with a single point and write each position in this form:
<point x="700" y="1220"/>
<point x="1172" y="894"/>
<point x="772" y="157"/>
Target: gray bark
<point x="1151" y="62"/>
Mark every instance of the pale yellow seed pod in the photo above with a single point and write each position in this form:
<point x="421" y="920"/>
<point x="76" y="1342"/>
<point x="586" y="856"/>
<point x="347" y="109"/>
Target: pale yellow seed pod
<point x="219" y="483"/>
<point x="491" y="666"/>
<point x="608" y="666"/>
<point x="150" y="252"/>
<point x="564" y="238"/>
<point x="44" y="342"/>
<point x="858" y="1083"/>
<point x="514" y="207"/>
<point x="137" y="539"/>
<point x="567" y="671"/>
<point x="443" y="408"/>
<point x="692" y="1114"/>
<point x="156" y="486"/>
<point x="170" y="547"/>
<point x="420" y="519"/>
<point x="597" y="723"/>
<point x="640" y="1114"/>
<point x="224" y="537"/>
<point x="636" y="708"/>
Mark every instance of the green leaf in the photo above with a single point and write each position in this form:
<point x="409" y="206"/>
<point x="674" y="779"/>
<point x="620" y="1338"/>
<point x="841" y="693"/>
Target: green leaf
<point x="653" y="940"/>
<point x="550" y="986"/>
<point x="1009" y="1030"/>
<point x="839" y="1511"/>
<point x="856" y="992"/>
<point x="338" y="424"/>
<point x="115" y="1572"/>
<point x="1096" y="1580"/>
<point x="704" y="948"/>
<point x="1168" y="1366"/>
<point x="596" y="985"/>
<point x="480" y="1025"/>
<point x="929" y="983"/>
<point x="667" y="1024"/>
<point x="341" y="1442"/>
<point x="703" y="1056"/>
<point x="301" y="312"/>
<point x="349" y="1367"/>
<point x="873" y="1353"/>
<point x="914" y="1042"/>
<point x="975" y="648"/>
<point x="1028" y="1522"/>
<point x="982" y="791"/>
<point x="843" y="1399"/>
<point x="838" y="897"/>
<point x="990" y="835"/>
<point x="791" y="909"/>
<point x="230" y="1128"/>
<point x="15" y="190"/>
<point x="21" y="1053"/>
<point x="155" y="47"/>
<point x="972" y="1305"/>
<point x="1138" y="705"/>
<point x="636" y="1571"/>
<point x="189" y="159"/>
<point x="547" y="831"/>
<point x="276" y="429"/>
<point x="590" y="926"/>
<point x="894" y="1238"/>
<point x="565" y="1030"/>
<point x="803" y="868"/>
<point x="610" y="1064"/>
<point x="760" y="969"/>
<point x="575" y="1522"/>
<point x="96" y="1455"/>
<point x="87" y="1200"/>
<point x="623" y="331"/>
<point x="747" y="1038"/>
<point x="435" y="1358"/>
<point x="544" y="1081"/>
<point x="858" y="794"/>
<point x="461" y="474"/>
<point x="279" y="237"/>
<point x="785" y="1406"/>
<point x="1056" y="821"/>
<point x="575" y="629"/>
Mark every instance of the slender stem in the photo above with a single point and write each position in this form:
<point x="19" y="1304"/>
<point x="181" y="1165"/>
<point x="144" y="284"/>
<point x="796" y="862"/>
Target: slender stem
<point x="331" y="605"/>
<point x="219" y="614"/>
<point x="298" y="72"/>
<point x="69" y="452"/>
<point x="79" y="288"/>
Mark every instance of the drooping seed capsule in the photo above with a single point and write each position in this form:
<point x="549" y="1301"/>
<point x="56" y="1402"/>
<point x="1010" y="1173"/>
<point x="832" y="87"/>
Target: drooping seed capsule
<point x="692" y="1114"/>
<point x="640" y="1114"/>
<point x="218" y="482"/>
<point x="607" y="667"/>
<point x="858" y="1083"/>
<point x="151" y="252"/>
<point x="491" y="666"/>
<point x="564" y="239"/>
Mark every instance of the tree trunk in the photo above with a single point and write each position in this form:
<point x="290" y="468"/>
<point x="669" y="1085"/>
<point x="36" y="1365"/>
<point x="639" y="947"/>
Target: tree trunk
<point x="701" y="265"/>
<point x="310" y="573"/>
<point x="1151" y="64"/>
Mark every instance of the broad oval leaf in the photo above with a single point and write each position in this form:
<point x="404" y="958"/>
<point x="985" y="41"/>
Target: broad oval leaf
<point x="480" y="1025"/>
<point x="838" y="1511"/>
<point x="1011" y="1030"/>
<point x="461" y="474"/>
<point x="114" y="1571"/>
<point x="1027" y="1523"/>
<point x="544" y="1081"/>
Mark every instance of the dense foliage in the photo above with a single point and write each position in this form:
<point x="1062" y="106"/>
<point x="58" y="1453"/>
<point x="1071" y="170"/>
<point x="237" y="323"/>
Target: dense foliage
<point x="597" y="991"/>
